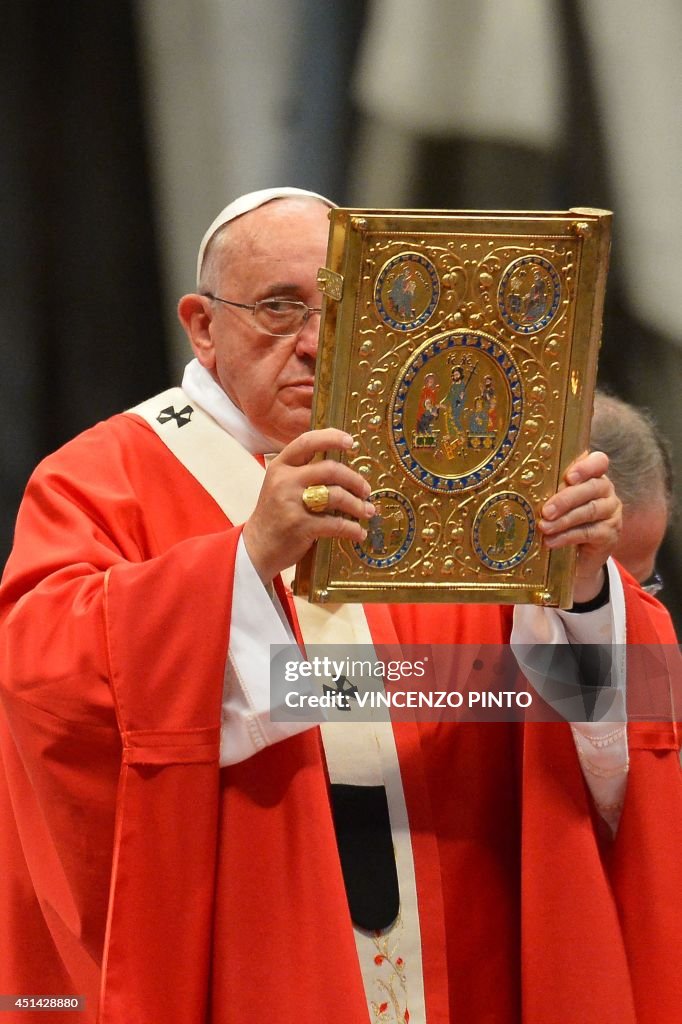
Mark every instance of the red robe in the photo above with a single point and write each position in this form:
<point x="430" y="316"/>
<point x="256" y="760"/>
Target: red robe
<point x="164" y="889"/>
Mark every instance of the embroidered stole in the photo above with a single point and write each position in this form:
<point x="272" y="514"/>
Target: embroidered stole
<point x="359" y="753"/>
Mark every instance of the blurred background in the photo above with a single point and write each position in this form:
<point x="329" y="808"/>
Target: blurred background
<point x="127" y="126"/>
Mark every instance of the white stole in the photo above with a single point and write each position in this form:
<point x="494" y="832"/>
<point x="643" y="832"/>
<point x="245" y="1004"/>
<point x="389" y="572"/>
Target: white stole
<point x="356" y="752"/>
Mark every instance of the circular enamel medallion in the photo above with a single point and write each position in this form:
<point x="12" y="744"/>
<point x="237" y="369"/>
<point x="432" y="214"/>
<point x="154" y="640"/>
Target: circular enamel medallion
<point x="503" y="530"/>
<point x="390" y="531"/>
<point x="529" y="293"/>
<point x="406" y="291"/>
<point x="455" y="411"/>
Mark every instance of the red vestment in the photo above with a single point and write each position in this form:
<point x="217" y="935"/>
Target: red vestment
<point x="164" y="889"/>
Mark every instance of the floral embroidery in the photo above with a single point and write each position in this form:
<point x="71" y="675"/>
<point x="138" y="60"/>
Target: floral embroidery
<point x="391" y="1007"/>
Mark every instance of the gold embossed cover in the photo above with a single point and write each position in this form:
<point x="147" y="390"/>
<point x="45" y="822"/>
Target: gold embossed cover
<point x="460" y="350"/>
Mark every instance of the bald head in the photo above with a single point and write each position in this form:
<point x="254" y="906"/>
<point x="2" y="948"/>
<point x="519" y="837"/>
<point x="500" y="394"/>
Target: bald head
<point x="639" y="457"/>
<point x="249" y="236"/>
<point x="640" y="468"/>
<point x="245" y="204"/>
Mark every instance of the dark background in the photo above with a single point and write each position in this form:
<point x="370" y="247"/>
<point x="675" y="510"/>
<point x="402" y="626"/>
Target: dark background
<point x="84" y="313"/>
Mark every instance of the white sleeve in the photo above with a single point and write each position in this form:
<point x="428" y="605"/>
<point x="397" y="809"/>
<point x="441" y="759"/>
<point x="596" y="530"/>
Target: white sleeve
<point x="258" y="620"/>
<point x="601" y="743"/>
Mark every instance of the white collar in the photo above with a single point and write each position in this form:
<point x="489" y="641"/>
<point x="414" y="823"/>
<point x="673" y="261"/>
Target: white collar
<point x="202" y="388"/>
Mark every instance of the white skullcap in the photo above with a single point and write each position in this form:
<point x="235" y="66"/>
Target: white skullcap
<point x="251" y="201"/>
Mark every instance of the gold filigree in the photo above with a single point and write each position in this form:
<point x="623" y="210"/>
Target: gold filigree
<point x="391" y="1006"/>
<point x="532" y="320"/>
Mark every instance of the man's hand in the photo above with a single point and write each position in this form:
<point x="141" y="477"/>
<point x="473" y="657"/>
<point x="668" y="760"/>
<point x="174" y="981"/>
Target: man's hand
<point x="586" y="512"/>
<point x="281" y="529"/>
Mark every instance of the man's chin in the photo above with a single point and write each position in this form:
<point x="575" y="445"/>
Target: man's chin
<point x="288" y="425"/>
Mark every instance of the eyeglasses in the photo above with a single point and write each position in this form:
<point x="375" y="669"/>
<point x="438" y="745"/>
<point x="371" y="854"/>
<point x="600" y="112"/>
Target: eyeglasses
<point x="653" y="585"/>
<point x="278" y="317"/>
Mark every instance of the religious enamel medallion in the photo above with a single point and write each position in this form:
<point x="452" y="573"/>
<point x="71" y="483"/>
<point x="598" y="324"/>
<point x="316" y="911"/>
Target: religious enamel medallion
<point x="503" y="531"/>
<point x="459" y="349"/>
<point x="390" y="531"/>
<point x="406" y="291"/>
<point x="529" y="293"/>
<point x="456" y="411"/>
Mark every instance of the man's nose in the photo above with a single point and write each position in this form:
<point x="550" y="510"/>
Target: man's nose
<point x="307" y="339"/>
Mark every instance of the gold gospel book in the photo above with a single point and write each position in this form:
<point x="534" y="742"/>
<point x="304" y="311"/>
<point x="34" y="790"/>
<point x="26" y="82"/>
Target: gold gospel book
<point x="460" y="351"/>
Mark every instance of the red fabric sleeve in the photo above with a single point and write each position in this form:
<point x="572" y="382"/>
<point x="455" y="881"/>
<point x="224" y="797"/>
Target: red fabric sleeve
<point x="103" y="608"/>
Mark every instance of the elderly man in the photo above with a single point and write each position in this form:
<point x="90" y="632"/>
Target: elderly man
<point x="170" y="853"/>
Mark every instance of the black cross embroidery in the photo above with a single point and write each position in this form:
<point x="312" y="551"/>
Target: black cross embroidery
<point x="344" y="689"/>
<point x="182" y="418"/>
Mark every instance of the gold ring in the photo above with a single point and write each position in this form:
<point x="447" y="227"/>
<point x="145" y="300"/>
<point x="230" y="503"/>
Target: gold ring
<point x="316" y="498"/>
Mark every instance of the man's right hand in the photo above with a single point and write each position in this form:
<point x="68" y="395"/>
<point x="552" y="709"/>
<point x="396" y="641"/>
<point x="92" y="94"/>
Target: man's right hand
<point x="281" y="528"/>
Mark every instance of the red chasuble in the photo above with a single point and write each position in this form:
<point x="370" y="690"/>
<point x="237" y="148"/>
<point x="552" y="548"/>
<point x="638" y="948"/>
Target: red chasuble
<point x="137" y="873"/>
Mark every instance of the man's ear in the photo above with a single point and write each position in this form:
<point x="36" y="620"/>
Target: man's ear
<point x="194" y="312"/>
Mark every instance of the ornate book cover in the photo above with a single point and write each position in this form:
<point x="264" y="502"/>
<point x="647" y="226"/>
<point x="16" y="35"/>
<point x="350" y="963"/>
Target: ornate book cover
<point x="460" y="351"/>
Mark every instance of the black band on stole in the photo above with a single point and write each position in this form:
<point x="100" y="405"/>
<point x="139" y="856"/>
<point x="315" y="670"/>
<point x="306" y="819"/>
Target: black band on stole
<point x="363" y="834"/>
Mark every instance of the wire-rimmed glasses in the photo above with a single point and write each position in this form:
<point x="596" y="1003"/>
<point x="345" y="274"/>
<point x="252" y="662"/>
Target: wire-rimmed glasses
<point x="280" y="318"/>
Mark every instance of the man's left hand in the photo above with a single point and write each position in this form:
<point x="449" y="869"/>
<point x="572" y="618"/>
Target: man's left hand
<point x="586" y="512"/>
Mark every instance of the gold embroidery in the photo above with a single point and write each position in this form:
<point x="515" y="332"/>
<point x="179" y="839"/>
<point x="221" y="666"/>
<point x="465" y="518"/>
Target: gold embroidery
<point x="603" y="773"/>
<point x="607" y="740"/>
<point x="391" y="1006"/>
